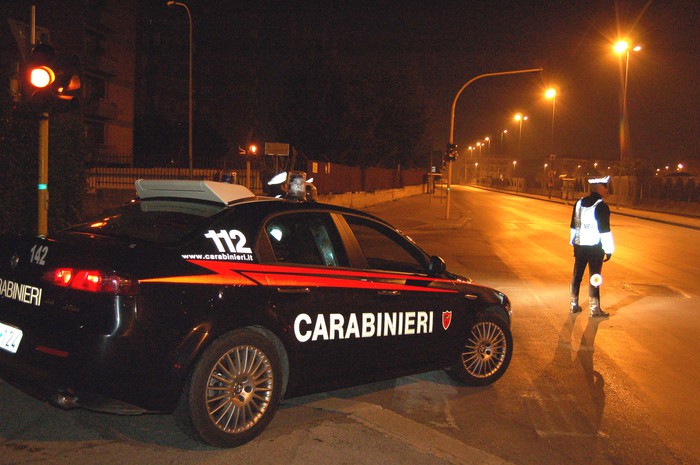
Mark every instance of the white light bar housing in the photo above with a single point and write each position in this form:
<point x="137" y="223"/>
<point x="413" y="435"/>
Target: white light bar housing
<point x="219" y="192"/>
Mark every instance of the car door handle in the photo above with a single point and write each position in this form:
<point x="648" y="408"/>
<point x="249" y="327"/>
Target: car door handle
<point x="389" y="293"/>
<point x="293" y="290"/>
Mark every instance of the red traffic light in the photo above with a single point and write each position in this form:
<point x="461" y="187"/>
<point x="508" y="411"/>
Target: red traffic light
<point x="51" y="80"/>
<point x="41" y="76"/>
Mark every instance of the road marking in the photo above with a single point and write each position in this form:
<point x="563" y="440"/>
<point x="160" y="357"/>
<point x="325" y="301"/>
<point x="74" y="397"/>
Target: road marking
<point x="416" y="435"/>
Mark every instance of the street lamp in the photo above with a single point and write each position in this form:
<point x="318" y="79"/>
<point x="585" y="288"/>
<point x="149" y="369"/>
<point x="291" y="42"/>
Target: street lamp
<point x="471" y="156"/>
<point x="503" y="133"/>
<point x="519" y="117"/>
<point x="551" y="94"/>
<point x="622" y="47"/>
<point x="515" y="162"/>
<point x="172" y="3"/>
<point x="488" y="141"/>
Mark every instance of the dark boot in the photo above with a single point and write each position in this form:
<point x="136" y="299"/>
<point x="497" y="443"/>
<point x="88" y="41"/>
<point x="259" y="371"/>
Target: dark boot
<point x="574" y="307"/>
<point x="596" y="310"/>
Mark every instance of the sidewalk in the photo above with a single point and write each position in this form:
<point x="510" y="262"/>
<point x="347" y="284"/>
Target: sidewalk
<point x="687" y="221"/>
<point x="425" y="211"/>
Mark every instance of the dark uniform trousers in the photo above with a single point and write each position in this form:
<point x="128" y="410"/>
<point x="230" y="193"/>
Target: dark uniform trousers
<point x="591" y="256"/>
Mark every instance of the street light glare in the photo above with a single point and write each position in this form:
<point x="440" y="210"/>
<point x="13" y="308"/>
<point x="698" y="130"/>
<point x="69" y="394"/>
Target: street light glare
<point x="621" y="47"/>
<point x="550" y="93"/>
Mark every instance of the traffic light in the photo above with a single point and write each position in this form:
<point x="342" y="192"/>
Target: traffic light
<point x="451" y="152"/>
<point x="51" y="81"/>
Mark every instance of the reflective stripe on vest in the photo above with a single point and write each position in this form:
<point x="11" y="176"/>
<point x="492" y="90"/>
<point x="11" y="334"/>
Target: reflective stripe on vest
<point x="586" y="224"/>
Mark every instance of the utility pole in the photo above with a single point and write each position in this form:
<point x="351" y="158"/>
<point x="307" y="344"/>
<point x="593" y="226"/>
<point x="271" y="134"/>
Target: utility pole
<point x="43" y="181"/>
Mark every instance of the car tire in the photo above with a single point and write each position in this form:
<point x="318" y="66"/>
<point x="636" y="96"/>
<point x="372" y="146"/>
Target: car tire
<point x="486" y="352"/>
<point x="233" y="391"/>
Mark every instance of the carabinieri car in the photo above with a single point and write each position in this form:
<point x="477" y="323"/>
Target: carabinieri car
<point x="201" y="299"/>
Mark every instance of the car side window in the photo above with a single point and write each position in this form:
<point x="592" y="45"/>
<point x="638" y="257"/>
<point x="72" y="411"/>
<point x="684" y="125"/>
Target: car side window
<point x="384" y="249"/>
<point x="309" y="238"/>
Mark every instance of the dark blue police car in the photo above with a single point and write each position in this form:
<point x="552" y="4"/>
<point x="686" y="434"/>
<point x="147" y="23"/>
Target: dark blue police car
<point x="201" y="299"/>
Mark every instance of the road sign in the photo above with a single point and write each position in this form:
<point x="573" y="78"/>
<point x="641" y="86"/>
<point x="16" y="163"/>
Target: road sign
<point x="277" y="148"/>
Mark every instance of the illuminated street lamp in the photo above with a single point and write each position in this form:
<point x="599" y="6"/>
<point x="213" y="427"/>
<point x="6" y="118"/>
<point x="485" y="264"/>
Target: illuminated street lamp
<point x="551" y="94"/>
<point x="622" y="47"/>
<point x="515" y="162"/>
<point x="503" y="133"/>
<point x="519" y="117"/>
<point x="172" y="3"/>
<point x="488" y="141"/>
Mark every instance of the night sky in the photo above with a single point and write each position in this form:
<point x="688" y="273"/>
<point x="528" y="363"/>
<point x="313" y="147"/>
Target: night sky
<point x="452" y="42"/>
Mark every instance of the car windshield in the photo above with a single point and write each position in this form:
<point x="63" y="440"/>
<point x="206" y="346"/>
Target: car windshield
<point x="157" y="220"/>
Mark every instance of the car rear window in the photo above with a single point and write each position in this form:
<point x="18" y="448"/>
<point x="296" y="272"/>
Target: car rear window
<point x="160" y="221"/>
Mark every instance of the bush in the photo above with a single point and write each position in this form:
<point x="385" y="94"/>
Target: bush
<point x="68" y="153"/>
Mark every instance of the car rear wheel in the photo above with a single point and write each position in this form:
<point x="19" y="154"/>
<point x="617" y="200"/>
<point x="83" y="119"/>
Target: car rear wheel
<point x="234" y="390"/>
<point x="486" y="352"/>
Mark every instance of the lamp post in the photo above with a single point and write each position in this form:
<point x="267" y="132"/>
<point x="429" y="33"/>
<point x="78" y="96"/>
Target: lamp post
<point x="551" y="94"/>
<point x="488" y="142"/>
<point x="452" y="123"/>
<point x="519" y="117"/>
<point x="622" y="47"/>
<point x="515" y="163"/>
<point x="503" y="133"/>
<point x="172" y="3"/>
<point x="471" y="157"/>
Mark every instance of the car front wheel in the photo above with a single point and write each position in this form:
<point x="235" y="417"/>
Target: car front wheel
<point x="486" y="352"/>
<point x="234" y="390"/>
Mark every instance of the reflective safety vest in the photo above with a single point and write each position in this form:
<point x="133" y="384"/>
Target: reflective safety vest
<point x="586" y="225"/>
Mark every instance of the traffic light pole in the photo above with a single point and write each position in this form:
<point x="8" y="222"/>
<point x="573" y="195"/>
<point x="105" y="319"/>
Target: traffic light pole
<point x="43" y="185"/>
<point x="452" y="125"/>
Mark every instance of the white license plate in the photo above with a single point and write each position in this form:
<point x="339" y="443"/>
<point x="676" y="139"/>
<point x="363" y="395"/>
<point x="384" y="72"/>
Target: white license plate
<point x="9" y="337"/>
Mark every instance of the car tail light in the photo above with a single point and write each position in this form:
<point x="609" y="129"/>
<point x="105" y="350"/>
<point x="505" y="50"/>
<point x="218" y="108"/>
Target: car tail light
<point x="93" y="281"/>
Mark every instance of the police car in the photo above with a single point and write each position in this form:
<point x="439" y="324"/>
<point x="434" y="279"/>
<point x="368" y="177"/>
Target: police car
<point x="202" y="299"/>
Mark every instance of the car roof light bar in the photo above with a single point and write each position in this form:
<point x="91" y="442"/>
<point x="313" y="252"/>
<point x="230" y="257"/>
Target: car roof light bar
<point x="219" y="192"/>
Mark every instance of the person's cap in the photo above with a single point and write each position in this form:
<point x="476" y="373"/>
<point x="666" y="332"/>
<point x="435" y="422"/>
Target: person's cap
<point x="604" y="180"/>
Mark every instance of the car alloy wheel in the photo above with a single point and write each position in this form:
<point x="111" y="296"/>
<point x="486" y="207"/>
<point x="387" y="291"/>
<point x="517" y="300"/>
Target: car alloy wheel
<point x="486" y="350"/>
<point x="239" y="389"/>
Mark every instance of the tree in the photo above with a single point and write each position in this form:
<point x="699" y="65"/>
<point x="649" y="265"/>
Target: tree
<point x="68" y="153"/>
<point x="368" y="116"/>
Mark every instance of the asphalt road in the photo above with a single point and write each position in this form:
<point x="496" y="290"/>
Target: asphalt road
<point x="578" y="391"/>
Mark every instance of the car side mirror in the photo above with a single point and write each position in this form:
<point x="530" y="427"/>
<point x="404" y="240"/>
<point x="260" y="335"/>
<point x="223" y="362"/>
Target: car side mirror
<point x="436" y="266"/>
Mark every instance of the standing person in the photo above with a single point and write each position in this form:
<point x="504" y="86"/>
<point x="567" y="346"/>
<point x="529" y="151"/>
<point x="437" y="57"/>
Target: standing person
<point x="593" y="244"/>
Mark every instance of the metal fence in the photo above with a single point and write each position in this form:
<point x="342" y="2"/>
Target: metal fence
<point x="329" y="178"/>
